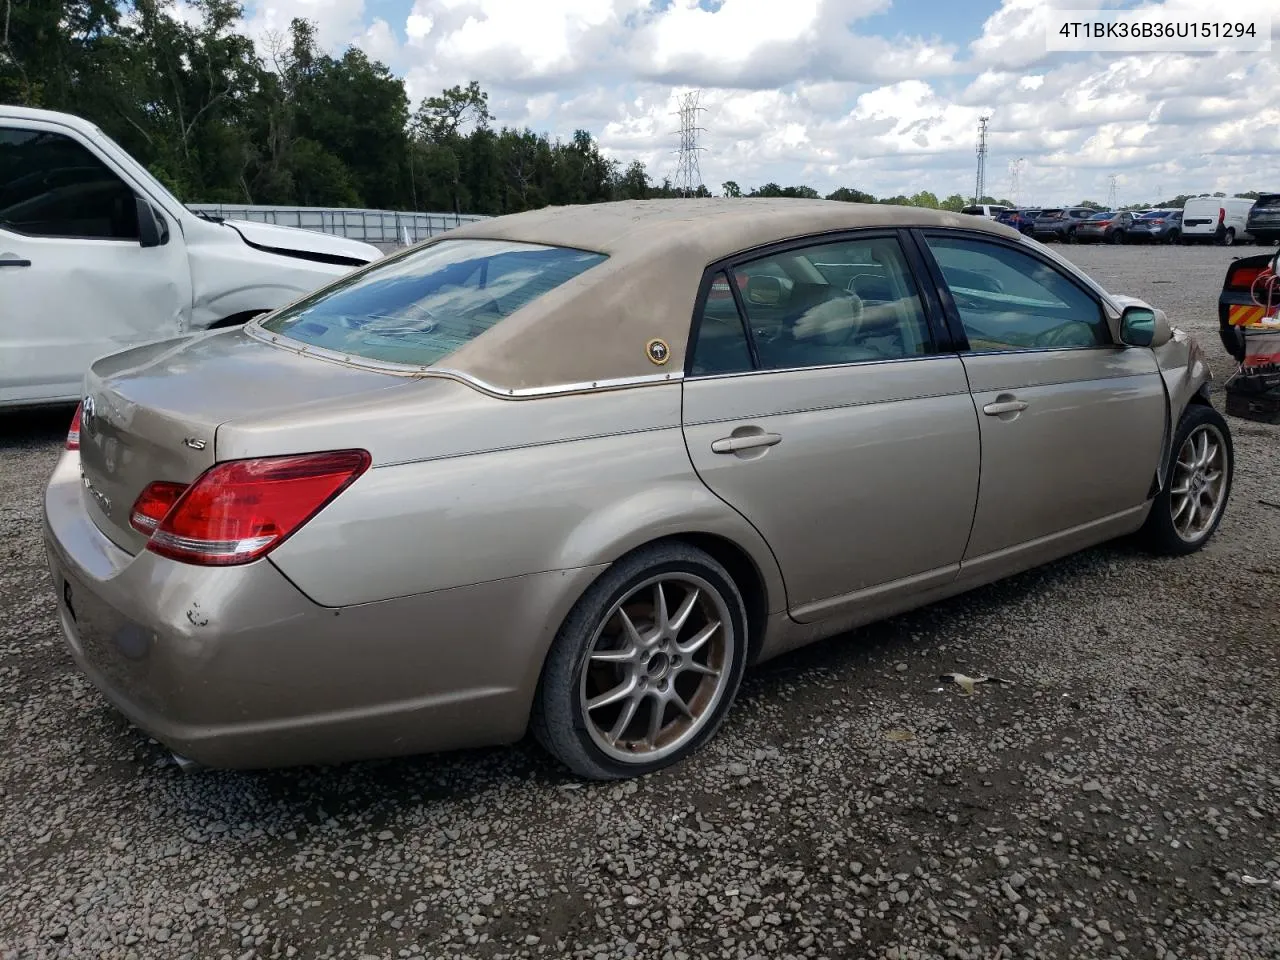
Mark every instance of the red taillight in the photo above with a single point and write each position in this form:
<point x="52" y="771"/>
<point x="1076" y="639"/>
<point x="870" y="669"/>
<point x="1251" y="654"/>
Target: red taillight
<point x="1157" y="221"/>
<point x="240" y="510"/>
<point x="1222" y="214"/>
<point x="153" y="503"/>
<point x="73" y="435"/>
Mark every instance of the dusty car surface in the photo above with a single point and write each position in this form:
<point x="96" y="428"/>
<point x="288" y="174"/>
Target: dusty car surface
<point x="574" y="470"/>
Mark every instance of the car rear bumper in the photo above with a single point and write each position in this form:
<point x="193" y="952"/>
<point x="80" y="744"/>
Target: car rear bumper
<point x="234" y="667"/>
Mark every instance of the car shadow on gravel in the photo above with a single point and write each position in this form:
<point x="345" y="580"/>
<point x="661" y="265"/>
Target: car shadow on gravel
<point x="35" y="427"/>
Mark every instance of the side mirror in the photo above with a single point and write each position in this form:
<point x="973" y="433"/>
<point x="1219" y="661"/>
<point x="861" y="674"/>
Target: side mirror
<point x="1143" y="327"/>
<point x="764" y="290"/>
<point x="152" y="231"/>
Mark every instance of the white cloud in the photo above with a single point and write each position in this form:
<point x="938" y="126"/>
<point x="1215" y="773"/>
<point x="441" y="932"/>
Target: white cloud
<point x="814" y="96"/>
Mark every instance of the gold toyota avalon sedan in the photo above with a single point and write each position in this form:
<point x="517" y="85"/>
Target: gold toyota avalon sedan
<point x="573" y="470"/>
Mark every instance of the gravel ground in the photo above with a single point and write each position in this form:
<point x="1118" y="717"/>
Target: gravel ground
<point x="1107" y="803"/>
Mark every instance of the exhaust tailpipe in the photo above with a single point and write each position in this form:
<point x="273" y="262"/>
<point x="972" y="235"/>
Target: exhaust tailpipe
<point x="184" y="764"/>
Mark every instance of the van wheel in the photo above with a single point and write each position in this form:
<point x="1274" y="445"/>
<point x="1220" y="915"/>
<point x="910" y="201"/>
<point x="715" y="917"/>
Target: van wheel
<point x="645" y="666"/>
<point x="1185" y="514"/>
<point x="1229" y="237"/>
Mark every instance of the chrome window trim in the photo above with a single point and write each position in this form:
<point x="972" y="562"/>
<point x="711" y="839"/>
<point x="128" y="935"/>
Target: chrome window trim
<point x="416" y="372"/>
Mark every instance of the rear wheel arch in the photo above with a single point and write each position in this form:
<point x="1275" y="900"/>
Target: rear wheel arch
<point x="746" y="575"/>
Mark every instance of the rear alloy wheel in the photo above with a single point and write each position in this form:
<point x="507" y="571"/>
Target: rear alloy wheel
<point x="1229" y="237"/>
<point x="646" y="665"/>
<point x="1188" y="510"/>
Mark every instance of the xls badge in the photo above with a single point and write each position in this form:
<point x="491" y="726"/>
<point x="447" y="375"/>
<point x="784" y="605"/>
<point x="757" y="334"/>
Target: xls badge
<point x="658" y="351"/>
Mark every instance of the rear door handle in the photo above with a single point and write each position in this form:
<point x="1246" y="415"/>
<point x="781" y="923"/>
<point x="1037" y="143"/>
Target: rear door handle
<point x="14" y="262"/>
<point x="744" y="442"/>
<point x="1004" y="406"/>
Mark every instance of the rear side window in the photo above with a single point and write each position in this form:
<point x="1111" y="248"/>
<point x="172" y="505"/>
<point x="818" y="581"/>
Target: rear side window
<point x="424" y="306"/>
<point x="52" y="186"/>
<point x="850" y="301"/>
<point x="721" y="346"/>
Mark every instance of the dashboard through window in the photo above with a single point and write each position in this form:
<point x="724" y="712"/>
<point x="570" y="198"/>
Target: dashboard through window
<point x="1010" y="300"/>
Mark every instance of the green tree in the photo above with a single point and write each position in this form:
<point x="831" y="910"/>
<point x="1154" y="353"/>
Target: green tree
<point x="849" y="195"/>
<point x="955" y="203"/>
<point x="730" y="188"/>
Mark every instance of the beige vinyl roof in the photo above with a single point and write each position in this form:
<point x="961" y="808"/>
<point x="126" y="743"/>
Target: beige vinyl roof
<point x="597" y="326"/>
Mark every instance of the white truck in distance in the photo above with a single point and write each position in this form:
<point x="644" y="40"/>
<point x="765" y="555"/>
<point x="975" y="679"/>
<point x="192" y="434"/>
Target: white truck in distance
<point x="96" y="256"/>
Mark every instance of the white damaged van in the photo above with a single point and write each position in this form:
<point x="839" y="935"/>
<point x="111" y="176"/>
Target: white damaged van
<point x="97" y="256"/>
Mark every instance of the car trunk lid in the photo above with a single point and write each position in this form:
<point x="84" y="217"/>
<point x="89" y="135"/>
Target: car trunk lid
<point x="152" y="413"/>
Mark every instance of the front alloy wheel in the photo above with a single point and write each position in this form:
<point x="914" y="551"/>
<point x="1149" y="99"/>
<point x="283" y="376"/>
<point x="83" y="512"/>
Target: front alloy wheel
<point x="645" y="667"/>
<point x="1187" y="512"/>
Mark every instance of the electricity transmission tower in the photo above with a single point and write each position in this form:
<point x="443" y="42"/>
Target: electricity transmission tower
<point x="980" y="188"/>
<point x="1111" y="192"/>
<point x="688" y="174"/>
<point x="1015" y="173"/>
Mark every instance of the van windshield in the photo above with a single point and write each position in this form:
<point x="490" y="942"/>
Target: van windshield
<point x="422" y="306"/>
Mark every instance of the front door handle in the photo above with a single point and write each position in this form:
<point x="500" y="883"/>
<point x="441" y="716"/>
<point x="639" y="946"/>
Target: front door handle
<point x="14" y="262"/>
<point x="746" y="441"/>
<point x="1004" y="406"/>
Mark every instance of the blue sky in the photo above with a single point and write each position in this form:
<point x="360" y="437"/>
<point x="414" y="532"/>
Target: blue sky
<point x="883" y="95"/>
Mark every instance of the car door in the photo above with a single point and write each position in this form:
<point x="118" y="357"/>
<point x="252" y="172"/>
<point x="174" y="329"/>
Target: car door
<point x="75" y="283"/>
<point x="1072" y="422"/>
<point x="832" y="421"/>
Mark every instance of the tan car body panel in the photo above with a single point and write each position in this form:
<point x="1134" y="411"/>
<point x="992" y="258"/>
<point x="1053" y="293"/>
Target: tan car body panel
<point x="501" y="489"/>
<point x="870" y="453"/>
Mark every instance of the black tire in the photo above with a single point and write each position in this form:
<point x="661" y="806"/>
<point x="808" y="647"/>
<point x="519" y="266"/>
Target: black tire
<point x="559" y="721"/>
<point x="1159" y="533"/>
<point x="1229" y="238"/>
<point x="1117" y="236"/>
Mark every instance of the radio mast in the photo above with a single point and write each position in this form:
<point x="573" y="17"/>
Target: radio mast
<point x="980" y="188"/>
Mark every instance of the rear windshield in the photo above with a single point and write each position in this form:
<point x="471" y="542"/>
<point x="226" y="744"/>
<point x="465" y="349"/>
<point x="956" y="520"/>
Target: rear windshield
<point x="422" y="307"/>
<point x="1155" y="215"/>
<point x="1268" y="200"/>
<point x="1102" y="216"/>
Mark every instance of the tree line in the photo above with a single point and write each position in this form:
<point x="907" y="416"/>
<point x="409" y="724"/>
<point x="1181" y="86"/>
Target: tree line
<point x="219" y="119"/>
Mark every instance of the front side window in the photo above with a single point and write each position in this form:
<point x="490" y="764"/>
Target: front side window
<point x="52" y="186"/>
<point x="420" y="308"/>
<point x="845" y="302"/>
<point x="1010" y="300"/>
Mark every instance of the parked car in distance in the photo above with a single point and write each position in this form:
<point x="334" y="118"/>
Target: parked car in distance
<point x="440" y="501"/>
<point x="1105" y="227"/>
<point x="1222" y="220"/>
<point x="96" y="255"/>
<point x="989" y="210"/>
<point x="1155" y="226"/>
<point x="1020" y="218"/>
<point x="1060" y="223"/>
<point x="1264" y="218"/>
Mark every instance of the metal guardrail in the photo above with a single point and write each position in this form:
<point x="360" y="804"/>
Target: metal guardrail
<point x="383" y="227"/>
